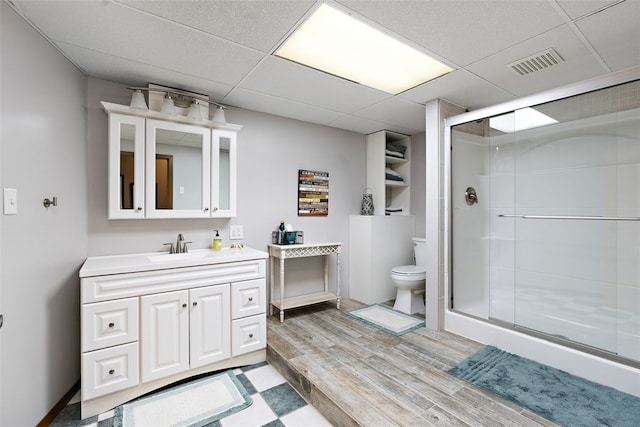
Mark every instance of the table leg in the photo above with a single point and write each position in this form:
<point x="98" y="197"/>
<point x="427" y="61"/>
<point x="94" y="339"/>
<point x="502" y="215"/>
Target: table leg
<point x="338" y="280"/>
<point x="271" y="285"/>
<point x="326" y="273"/>
<point x="281" y="290"/>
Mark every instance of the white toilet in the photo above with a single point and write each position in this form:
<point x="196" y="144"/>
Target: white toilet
<point x="410" y="281"/>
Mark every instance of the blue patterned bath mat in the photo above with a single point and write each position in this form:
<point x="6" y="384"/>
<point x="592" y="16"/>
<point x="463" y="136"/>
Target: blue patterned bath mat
<point x="551" y="393"/>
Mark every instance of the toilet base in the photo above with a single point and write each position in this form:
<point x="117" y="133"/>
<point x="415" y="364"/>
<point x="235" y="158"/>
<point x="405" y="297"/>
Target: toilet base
<point x="407" y="301"/>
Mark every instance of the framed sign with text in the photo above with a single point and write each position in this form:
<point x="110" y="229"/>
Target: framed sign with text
<point x="313" y="193"/>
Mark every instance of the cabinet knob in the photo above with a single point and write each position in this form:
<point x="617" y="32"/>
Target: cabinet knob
<point x="250" y="299"/>
<point x="112" y="371"/>
<point x="250" y="335"/>
<point x="206" y="209"/>
<point x="111" y="325"/>
<point x="184" y="305"/>
<point x="195" y="303"/>
<point x="139" y="208"/>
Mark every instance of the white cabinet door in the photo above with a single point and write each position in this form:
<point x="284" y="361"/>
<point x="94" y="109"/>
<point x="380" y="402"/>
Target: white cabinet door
<point x="126" y="166"/>
<point x="177" y="170"/>
<point x="223" y="173"/>
<point x="164" y="335"/>
<point x="210" y="325"/>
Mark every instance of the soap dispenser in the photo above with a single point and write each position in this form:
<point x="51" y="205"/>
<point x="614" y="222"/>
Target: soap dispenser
<point x="217" y="241"/>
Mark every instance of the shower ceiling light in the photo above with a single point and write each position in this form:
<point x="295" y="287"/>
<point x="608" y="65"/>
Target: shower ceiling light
<point x="524" y="118"/>
<point x="338" y="44"/>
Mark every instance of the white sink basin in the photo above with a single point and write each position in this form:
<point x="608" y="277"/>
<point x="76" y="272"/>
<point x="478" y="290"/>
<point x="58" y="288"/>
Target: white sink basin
<point x="181" y="257"/>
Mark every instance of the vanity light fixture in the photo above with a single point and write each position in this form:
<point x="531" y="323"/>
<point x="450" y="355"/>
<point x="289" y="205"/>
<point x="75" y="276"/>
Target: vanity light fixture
<point x="336" y="43"/>
<point x="194" y="110"/>
<point x="218" y="115"/>
<point x="168" y="107"/>
<point x="177" y="98"/>
<point x="137" y="100"/>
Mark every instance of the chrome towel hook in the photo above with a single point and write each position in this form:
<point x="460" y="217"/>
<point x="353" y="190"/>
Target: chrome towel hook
<point x="53" y="202"/>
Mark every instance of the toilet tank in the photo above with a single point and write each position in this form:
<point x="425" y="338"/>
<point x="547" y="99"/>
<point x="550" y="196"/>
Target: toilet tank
<point x="420" y="251"/>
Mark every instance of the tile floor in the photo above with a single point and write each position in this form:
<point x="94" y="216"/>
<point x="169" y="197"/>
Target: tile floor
<point x="275" y="404"/>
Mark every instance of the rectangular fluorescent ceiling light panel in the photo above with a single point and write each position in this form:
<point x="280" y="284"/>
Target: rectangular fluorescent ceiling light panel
<point x="336" y="43"/>
<point x="524" y="118"/>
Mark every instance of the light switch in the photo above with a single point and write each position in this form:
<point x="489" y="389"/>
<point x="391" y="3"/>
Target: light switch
<point x="235" y="232"/>
<point x="10" y="201"/>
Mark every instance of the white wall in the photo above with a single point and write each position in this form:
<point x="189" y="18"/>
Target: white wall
<point x="418" y="182"/>
<point x="271" y="149"/>
<point x="43" y="155"/>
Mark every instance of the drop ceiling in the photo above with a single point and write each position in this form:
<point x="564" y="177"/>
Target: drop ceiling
<point x="224" y="49"/>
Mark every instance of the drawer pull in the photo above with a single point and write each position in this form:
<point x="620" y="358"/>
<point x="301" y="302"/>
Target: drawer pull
<point x="195" y="303"/>
<point x="111" y="325"/>
<point x="184" y="305"/>
<point x="111" y="371"/>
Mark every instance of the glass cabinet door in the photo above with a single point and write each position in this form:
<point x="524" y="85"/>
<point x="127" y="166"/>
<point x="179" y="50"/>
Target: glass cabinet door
<point x="126" y="167"/>
<point x="223" y="173"/>
<point x="178" y="167"/>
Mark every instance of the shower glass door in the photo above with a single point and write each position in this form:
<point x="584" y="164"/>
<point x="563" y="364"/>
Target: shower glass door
<point x="552" y="243"/>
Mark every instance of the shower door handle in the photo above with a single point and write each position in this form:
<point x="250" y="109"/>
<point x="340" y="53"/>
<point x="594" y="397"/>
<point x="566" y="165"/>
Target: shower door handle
<point x="470" y="196"/>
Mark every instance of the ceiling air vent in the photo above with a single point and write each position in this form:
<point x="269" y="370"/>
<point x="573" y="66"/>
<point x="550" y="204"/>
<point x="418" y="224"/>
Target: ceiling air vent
<point x="537" y="62"/>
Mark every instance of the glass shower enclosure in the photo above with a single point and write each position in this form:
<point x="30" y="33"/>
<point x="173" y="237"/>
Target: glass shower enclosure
<point x="545" y="221"/>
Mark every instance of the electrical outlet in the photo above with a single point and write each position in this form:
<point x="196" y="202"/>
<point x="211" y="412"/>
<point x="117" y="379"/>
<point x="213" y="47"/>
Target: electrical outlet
<point x="235" y="232"/>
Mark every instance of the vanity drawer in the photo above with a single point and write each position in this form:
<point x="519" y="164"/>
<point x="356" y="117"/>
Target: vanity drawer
<point x="105" y="324"/>
<point x="248" y="298"/>
<point x="248" y="334"/>
<point x="108" y="370"/>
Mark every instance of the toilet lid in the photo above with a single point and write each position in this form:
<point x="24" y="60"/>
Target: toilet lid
<point x="409" y="269"/>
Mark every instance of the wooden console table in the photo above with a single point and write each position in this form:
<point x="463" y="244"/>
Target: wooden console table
<point x="283" y="252"/>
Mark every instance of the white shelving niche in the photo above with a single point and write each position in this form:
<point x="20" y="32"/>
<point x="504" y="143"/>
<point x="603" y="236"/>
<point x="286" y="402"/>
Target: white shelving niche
<point x="389" y="193"/>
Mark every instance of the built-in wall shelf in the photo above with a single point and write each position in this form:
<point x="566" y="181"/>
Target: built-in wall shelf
<point x="386" y="192"/>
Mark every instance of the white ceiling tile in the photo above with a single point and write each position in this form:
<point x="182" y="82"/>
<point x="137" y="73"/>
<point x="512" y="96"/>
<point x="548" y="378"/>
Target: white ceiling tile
<point x="134" y="73"/>
<point x="461" y="88"/>
<point x="286" y="79"/>
<point x="256" y="101"/>
<point x="620" y="49"/>
<point x="579" y="64"/>
<point x="576" y="9"/>
<point x="362" y="125"/>
<point x="396" y="112"/>
<point x="120" y="31"/>
<point x="461" y="31"/>
<point x="256" y="24"/>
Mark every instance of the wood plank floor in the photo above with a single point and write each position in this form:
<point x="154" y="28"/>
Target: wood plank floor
<point x="355" y="374"/>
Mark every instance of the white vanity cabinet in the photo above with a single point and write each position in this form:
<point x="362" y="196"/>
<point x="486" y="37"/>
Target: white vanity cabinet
<point x="169" y="167"/>
<point x="146" y="324"/>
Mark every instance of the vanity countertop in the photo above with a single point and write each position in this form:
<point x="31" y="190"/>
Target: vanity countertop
<point x="131" y="263"/>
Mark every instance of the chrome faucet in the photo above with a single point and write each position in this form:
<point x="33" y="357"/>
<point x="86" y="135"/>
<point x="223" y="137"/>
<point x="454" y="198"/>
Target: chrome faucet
<point x="180" y="246"/>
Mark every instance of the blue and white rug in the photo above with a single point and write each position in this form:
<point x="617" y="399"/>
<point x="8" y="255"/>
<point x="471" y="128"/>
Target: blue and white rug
<point x="386" y="318"/>
<point x="196" y="403"/>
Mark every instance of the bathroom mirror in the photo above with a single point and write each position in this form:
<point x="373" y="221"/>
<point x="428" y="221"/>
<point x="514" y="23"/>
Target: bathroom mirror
<point x="178" y="170"/>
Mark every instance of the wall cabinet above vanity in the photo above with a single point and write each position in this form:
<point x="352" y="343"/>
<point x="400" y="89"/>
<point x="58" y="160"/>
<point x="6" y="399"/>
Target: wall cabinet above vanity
<point x="161" y="167"/>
